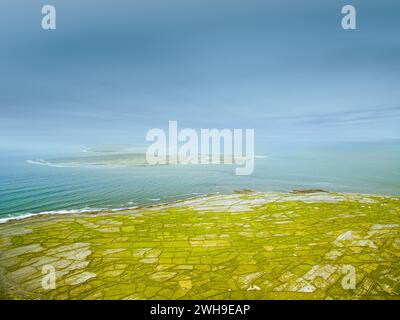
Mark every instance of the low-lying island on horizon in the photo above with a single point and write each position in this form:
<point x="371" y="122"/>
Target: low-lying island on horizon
<point x="307" y="244"/>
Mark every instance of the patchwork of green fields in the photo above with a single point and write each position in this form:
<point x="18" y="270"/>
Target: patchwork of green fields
<point x="248" y="245"/>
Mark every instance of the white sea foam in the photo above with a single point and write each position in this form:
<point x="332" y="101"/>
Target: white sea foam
<point x="73" y="164"/>
<point x="47" y="163"/>
<point x="27" y="215"/>
<point x="123" y="208"/>
<point x="72" y="211"/>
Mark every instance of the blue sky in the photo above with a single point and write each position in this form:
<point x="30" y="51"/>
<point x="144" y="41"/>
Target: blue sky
<point x="115" y="69"/>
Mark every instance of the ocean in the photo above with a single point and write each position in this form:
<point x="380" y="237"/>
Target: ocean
<point x="31" y="186"/>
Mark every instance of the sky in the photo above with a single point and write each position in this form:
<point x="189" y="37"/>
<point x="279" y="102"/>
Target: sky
<point x="112" y="70"/>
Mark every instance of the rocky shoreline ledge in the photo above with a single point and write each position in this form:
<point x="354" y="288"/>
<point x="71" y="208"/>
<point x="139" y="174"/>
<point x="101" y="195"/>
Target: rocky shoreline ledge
<point x="247" y="245"/>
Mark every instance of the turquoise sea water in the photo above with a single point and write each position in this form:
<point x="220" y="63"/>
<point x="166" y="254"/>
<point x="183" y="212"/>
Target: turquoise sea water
<point x="31" y="188"/>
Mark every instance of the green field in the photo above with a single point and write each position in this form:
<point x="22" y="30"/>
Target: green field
<point x="247" y="245"/>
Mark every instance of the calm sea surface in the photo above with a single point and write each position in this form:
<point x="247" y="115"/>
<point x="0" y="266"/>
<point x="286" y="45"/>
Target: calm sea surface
<point x="30" y="188"/>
